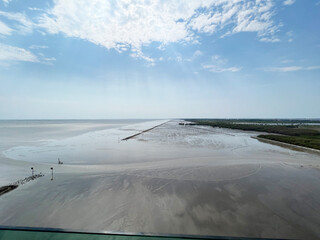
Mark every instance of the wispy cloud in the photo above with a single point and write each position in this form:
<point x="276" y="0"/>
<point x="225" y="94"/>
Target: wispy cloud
<point x="137" y="53"/>
<point x="48" y="60"/>
<point x="197" y="53"/>
<point x="286" y="61"/>
<point x="217" y="69"/>
<point x="290" y="36"/>
<point x="290" y="68"/>
<point x="218" y="65"/>
<point x="15" y="54"/>
<point x="129" y="25"/>
<point x="38" y="47"/>
<point x="270" y="39"/>
<point x="313" y="68"/>
<point x="25" y="25"/>
<point x="35" y="9"/>
<point x="4" y="29"/>
<point x="194" y="56"/>
<point x="217" y="60"/>
<point x="6" y="2"/>
<point x="289" y="2"/>
<point x="11" y="55"/>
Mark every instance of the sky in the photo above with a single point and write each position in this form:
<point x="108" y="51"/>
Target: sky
<point x="103" y="59"/>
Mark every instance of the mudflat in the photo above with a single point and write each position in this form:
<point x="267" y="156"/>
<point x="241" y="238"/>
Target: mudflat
<point x="173" y="179"/>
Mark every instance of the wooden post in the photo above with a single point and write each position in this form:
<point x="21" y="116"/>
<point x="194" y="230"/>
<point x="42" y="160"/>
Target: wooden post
<point x="51" y="173"/>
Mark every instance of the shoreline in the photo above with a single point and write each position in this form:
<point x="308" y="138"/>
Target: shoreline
<point x="279" y="143"/>
<point x="307" y="138"/>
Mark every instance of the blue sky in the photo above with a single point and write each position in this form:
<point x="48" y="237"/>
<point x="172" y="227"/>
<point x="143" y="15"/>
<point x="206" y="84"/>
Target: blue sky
<point x="159" y="59"/>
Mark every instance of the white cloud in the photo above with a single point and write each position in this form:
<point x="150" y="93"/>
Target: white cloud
<point x="25" y="25"/>
<point x="290" y="69"/>
<point x="290" y="36"/>
<point x="289" y="2"/>
<point x="16" y="54"/>
<point x="11" y="54"/>
<point x="218" y="60"/>
<point x="179" y="58"/>
<point x="283" y="69"/>
<point x="218" y="65"/>
<point x="127" y="24"/>
<point x="4" y="29"/>
<point x="6" y="1"/>
<point x="270" y="40"/>
<point x="50" y="59"/>
<point x="137" y="53"/>
<point x="46" y="60"/>
<point x="313" y="68"/>
<point x="197" y="53"/>
<point x="38" y="47"/>
<point x="35" y="9"/>
<point x="286" y="61"/>
<point x="217" y="69"/>
<point x="118" y="24"/>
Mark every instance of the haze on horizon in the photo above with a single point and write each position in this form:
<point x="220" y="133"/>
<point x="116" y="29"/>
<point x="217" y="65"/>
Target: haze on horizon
<point x="159" y="59"/>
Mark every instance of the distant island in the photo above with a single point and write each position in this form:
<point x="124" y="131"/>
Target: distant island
<point x="300" y="132"/>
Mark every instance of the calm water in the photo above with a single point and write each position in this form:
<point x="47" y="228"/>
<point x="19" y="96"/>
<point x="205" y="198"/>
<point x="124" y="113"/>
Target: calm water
<point x="17" y="132"/>
<point x="30" y="143"/>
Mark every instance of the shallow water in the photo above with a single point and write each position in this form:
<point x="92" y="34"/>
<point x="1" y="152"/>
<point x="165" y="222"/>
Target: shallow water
<point x="170" y="141"/>
<point x="17" y="132"/>
<point x="21" y="137"/>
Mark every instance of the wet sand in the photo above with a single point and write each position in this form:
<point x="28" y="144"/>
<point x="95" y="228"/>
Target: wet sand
<point x="175" y="179"/>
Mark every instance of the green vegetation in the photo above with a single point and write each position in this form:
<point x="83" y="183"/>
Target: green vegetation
<point x="263" y="121"/>
<point x="305" y="141"/>
<point x="290" y="131"/>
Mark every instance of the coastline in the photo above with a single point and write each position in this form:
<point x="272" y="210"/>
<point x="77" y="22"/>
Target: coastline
<point x="291" y="146"/>
<point x="308" y="137"/>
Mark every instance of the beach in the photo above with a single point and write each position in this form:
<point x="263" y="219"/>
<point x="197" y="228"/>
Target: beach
<point x="173" y="179"/>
